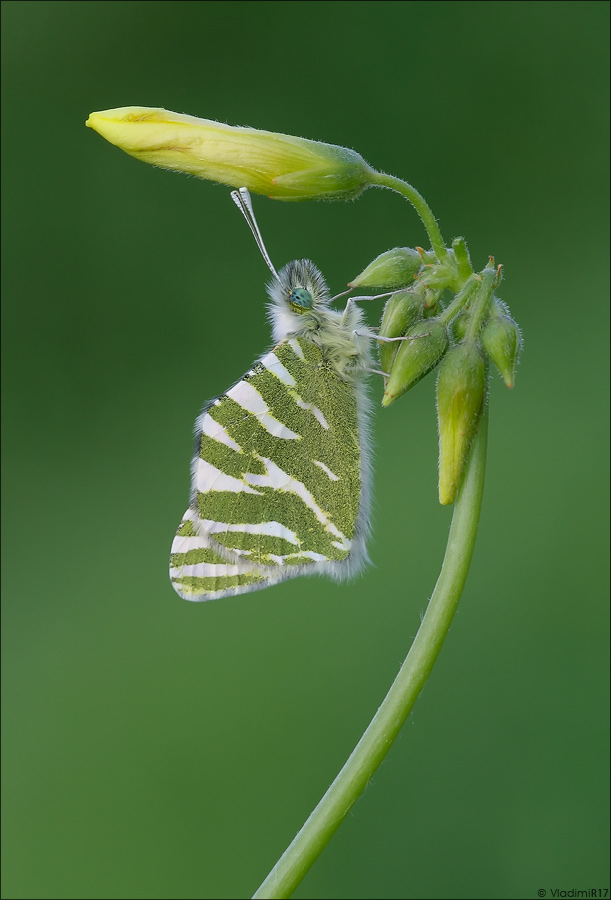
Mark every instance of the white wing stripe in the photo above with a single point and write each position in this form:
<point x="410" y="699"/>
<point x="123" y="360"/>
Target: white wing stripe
<point x="183" y="544"/>
<point x="209" y="570"/>
<point x="326" y="470"/>
<point x="217" y="432"/>
<point x="294" y="345"/>
<point x="209" y="478"/>
<point x="251" y="400"/>
<point x="313" y="409"/>
<point x="206" y="527"/>
<point x="274" y="365"/>
<point x="271" y="529"/>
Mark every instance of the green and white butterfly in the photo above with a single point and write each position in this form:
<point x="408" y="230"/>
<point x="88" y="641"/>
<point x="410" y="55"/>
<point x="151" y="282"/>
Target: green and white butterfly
<point x="281" y="470"/>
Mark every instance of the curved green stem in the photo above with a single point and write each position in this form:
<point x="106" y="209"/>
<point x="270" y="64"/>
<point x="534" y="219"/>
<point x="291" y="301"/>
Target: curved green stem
<point x="386" y="724"/>
<point x="420" y="205"/>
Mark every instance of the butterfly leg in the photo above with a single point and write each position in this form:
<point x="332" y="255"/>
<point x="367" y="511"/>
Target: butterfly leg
<point x="351" y="300"/>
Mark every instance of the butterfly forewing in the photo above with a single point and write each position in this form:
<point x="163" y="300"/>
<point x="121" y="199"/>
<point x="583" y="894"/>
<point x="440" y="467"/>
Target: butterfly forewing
<point x="276" y="479"/>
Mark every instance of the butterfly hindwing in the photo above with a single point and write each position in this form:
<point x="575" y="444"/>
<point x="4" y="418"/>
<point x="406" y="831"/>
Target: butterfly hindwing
<point x="276" y="478"/>
<point x="199" y="572"/>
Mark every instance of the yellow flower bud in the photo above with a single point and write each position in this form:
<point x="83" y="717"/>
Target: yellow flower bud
<point x="278" y="165"/>
<point x="461" y="391"/>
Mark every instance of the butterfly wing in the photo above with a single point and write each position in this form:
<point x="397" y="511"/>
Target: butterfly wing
<point x="276" y="479"/>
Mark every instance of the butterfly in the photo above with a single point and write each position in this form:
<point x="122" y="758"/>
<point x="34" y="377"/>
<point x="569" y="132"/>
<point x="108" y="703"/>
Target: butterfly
<point x="280" y="477"/>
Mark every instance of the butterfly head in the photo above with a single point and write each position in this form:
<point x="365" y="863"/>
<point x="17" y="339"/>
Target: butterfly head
<point x="300" y="297"/>
<point x="299" y="287"/>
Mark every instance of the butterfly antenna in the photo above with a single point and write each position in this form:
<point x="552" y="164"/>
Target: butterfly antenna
<point x="242" y="200"/>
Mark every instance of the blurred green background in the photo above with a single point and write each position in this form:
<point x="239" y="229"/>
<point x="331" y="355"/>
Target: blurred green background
<point x="155" y="748"/>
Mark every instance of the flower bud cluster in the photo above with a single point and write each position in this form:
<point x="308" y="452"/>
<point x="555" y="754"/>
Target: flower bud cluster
<point x="418" y="334"/>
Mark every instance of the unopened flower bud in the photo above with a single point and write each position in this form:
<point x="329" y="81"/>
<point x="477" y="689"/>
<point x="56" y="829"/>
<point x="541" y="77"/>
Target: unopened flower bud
<point x="425" y="344"/>
<point x="278" y="165"/>
<point x="502" y="341"/>
<point x="392" y="269"/>
<point x="402" y="310"/>
<point x="460" y="325"/>
<point x="461" y="391"/>
<point x="431" y="301"/>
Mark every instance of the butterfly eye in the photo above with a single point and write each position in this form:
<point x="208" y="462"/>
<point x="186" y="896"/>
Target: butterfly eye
<point x="300" y="299"/>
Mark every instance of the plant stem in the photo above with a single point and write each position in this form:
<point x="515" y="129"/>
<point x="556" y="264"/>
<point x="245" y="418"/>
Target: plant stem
<point x="420" y="205"/>
<point x="459" y="301"/>
<point x="396" y="706"/>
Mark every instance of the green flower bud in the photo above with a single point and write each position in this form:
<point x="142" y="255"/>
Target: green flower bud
<point x="279" y="165"/>
<point x="402" y="310"/>
<point x="442" y="275"/>
<point x="416" y="357"/>
<point x="502" y="341"/>
<point x="393" y="269"/>
<point x="459" y="326"/>
<point x="430" y="302"/>
<point x="461" y="391"/>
